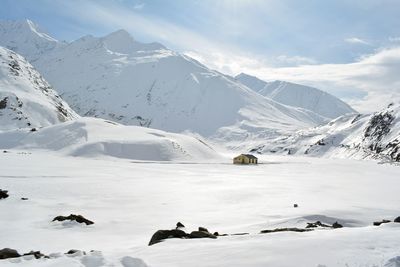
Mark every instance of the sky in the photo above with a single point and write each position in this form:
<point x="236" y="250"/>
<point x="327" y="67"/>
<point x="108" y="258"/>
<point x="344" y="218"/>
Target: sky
<point x="349" y="48"/>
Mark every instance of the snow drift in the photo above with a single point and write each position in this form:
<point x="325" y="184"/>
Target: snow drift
<point x="91" y="137"/>
<point x="26" y="99"/>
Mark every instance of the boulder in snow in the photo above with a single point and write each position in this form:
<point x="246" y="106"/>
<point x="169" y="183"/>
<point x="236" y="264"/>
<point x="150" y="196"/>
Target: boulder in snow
<point x="3" y="194"/>
<point x="7" y="253"/>
<point x="73" y="217"/>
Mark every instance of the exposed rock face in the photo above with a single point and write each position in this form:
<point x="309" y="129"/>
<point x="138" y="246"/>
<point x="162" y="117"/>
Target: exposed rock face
<point x="73" y="217"/>
<point x="337" y="225"/>
<point x="200" y="234"/>
<point x="3" y="194"/>
<point x="7" y="253"/>
<point x="36" y="254"/>
<point x="179" y="225"/>
<point x="320" y="224"/>
<point x="161" y="235"/>
<point x="317" y="224"/>
<point x="292" y="229"/>
<point x="381" y="222"/>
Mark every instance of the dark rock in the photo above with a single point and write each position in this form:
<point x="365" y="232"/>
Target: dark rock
<point x="241" y="234"/>
<point x="218" y="234"/>
<point x="381" y="222"/>
<point x="203" y="229"/>
<point x="24" y="198"/>
<point x="316" y="224"/>
<point x="7" y="253"/>
<point x="3" y="103"/>
<point x="337" y="225"/>
<point x="201" y="234"/>
<point x="160" y="235"/>
<point x="33" y="130"/>
<point x="320" y="142"/>
<point x="397" y="220"/>
<point x="73" y="217"/>
<point x="73" y="251"/>
<point x="5" y="151"/>
<point x="295" y="205"/>
<point x="3" y="194"/>
<point x="36" y="254"/>
<point x="300" y="230"/>
<point x="179" y="225"/>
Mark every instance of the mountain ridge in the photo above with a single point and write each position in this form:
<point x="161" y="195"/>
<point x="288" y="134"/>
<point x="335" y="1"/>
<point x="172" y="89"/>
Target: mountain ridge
<point x="298" y="95"/>
<point x="374" y="136"/>
<point x="149" y="85"/>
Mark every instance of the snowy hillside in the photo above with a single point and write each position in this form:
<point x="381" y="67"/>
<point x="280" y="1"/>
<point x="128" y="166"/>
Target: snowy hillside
<point x="375" y="136"/>
<point x="117" y="78"/>
<point x="297" y="95"/>
<point x="91" y="137"/>
<point x="26" y="99"/>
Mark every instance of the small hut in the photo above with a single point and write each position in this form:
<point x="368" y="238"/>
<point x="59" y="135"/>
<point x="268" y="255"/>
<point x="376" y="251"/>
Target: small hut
<point x="245" y="159"/>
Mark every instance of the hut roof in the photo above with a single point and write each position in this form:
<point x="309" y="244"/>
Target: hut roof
<point x="250" y="156"/>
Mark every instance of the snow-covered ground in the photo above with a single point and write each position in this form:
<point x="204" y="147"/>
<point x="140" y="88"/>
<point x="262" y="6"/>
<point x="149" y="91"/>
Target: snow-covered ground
<point x="129" y="201"/>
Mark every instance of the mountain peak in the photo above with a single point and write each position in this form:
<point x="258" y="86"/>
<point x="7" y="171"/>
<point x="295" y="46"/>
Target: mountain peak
<point x="120" y="33"/>
<point x="25" y="27"/>
<point x="26" y="38"/>
<point x="122" y="42"/>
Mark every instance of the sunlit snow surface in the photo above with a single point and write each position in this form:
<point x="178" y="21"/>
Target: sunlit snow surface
<point x="129" y="200"/>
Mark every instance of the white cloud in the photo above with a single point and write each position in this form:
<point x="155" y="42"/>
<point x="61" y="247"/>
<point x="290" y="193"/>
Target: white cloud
<point x="295" y="60"/>
<point x="377" y="75"/>
<point x="139" y="6"/>
<point x="355" y="40"/>
<point x="394" y="39"/>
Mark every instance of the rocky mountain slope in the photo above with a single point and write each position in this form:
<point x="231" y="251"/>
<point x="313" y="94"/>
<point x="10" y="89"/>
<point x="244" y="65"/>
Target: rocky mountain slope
<point x="375" y="136"/>
<point x="26" y="99"/>
<point x="118" y="78"/>
<point x="297" y="95"/>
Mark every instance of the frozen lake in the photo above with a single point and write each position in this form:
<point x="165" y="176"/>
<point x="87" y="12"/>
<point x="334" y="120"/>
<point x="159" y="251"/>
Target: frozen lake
<point x="129" y="201"/>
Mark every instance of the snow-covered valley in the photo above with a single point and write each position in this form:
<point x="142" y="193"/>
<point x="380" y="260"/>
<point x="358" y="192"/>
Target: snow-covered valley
<point x="136" y="137"/>
<point x="129" y="201"/>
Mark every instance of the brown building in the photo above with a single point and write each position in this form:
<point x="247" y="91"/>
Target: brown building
<point x="245" y="159"/>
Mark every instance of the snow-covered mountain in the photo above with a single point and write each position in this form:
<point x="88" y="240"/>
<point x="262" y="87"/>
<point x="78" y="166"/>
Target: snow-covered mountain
<point x="26" y="99"/>
<point x="27" y="39"/>
<point x="297" y="95"/>
<point x="375" y="136"/>
<point x="92" y="137"/>
<point x="118" y="78"/>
